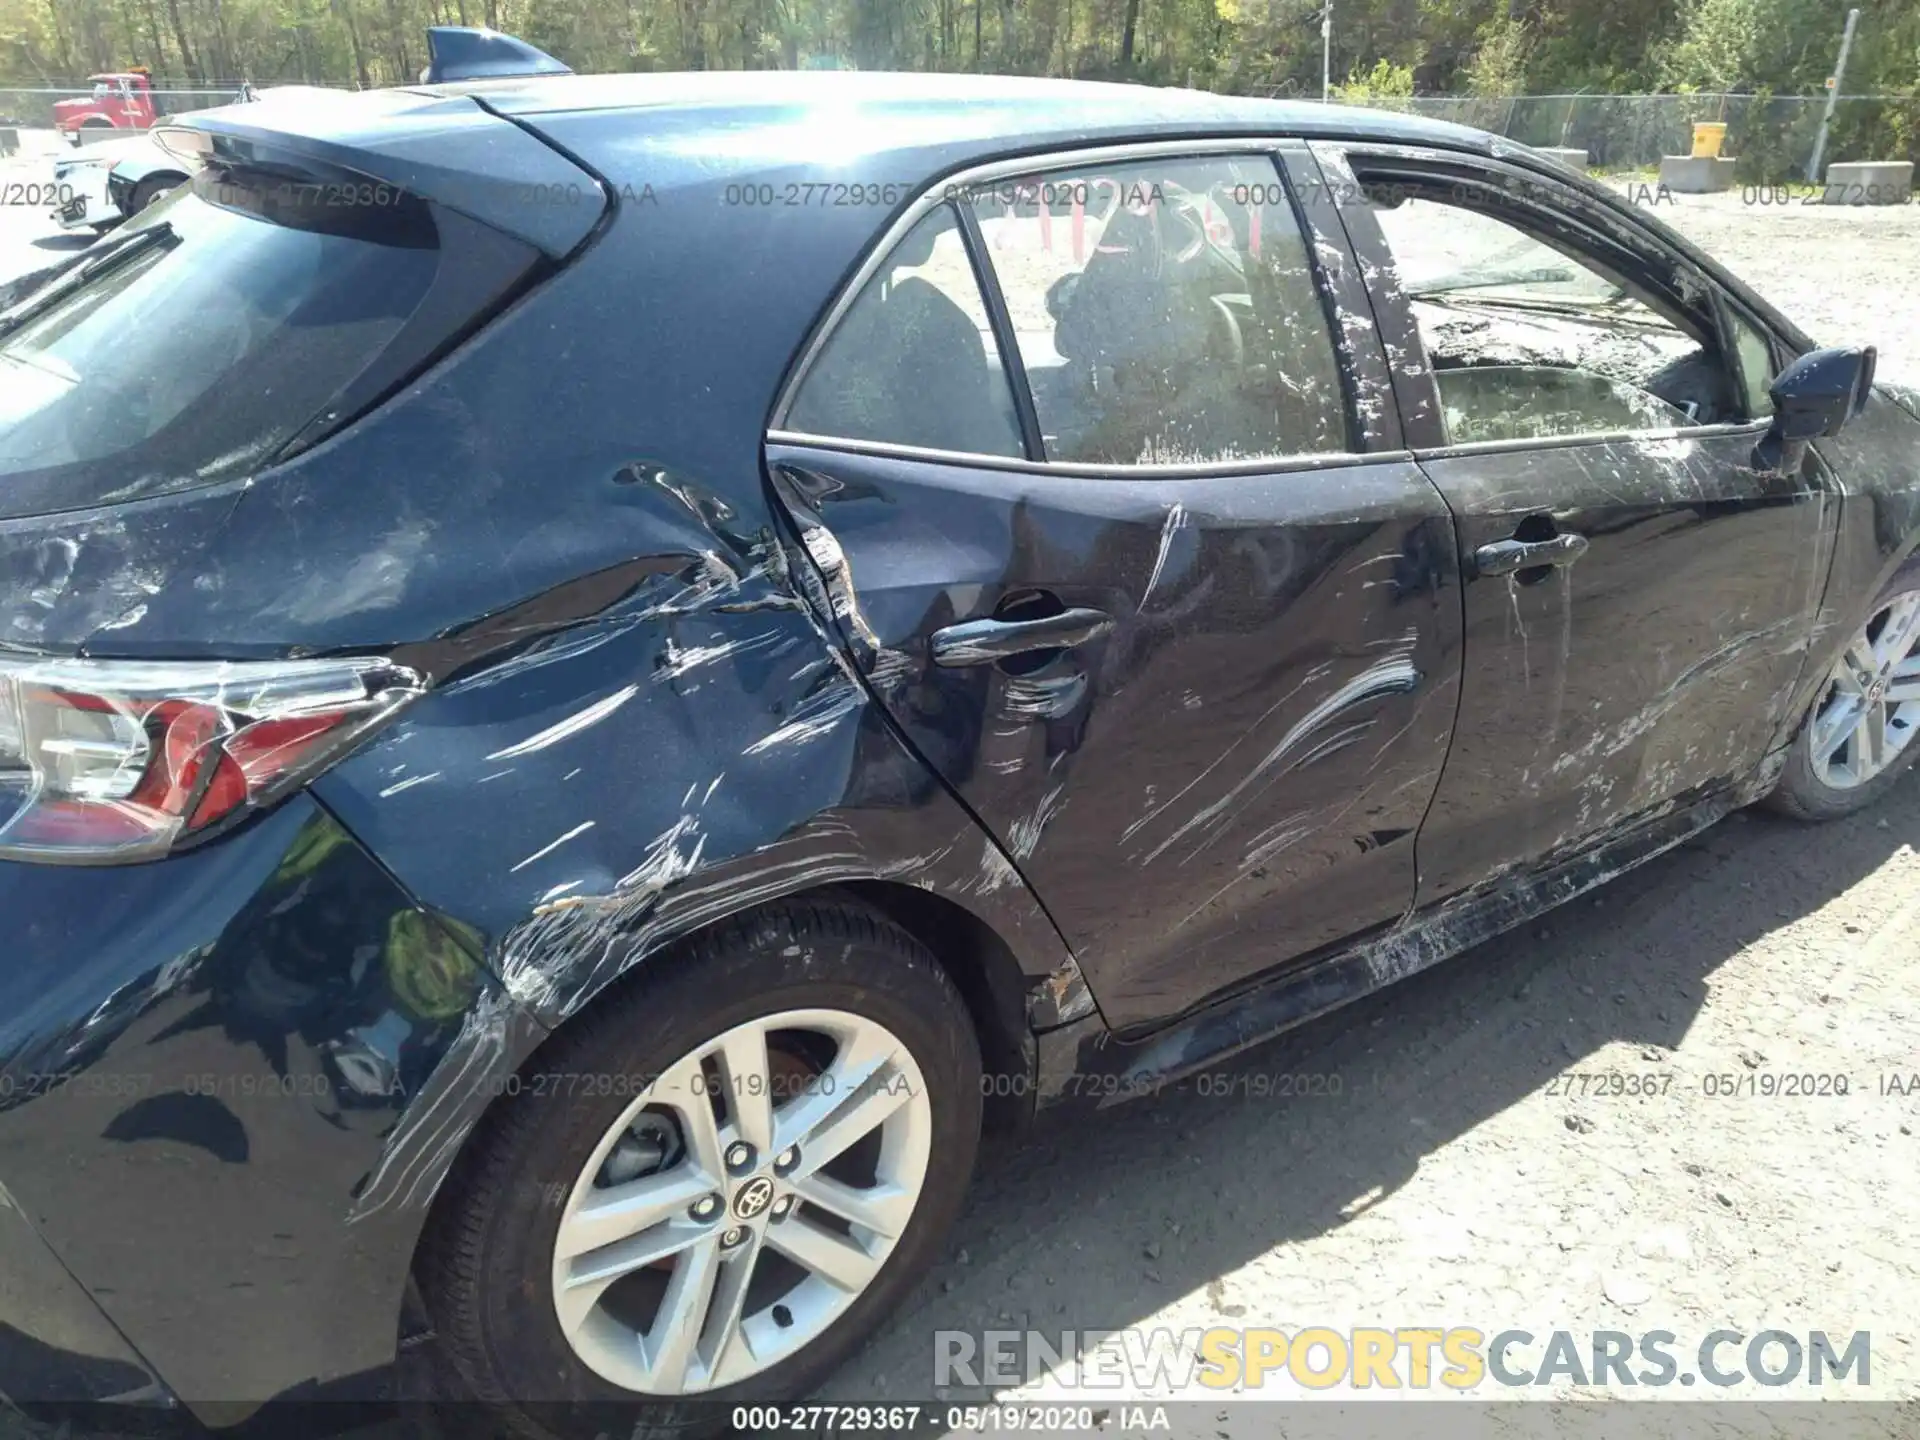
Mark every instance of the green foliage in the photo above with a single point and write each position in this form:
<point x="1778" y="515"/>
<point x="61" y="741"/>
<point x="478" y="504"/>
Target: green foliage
<point x="1387" y="49"/>
<point x="1791" y="46"/>
<point x="1718" y="49"/>
<point x="1769" y="140"/>
<point x="1499" y="66"/>
<point x="1385" y="82"/>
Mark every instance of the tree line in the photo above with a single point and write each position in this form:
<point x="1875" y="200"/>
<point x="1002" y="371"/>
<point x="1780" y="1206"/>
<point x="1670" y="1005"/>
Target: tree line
<point x="1264" y="46"/>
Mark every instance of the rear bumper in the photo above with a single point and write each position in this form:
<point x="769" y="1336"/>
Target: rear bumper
<point x="74" y="215"/>
<point x="56" y="1345"/>
<point x="84" y="191"/>
<point x="230" y="1083"/>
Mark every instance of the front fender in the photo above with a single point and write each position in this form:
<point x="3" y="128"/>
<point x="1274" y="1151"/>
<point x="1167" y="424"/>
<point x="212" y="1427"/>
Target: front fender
<point x="1876" y="461"/>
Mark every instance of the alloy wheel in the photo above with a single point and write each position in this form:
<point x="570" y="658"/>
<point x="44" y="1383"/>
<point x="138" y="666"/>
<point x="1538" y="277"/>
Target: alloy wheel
<point x="743" y="1201"/>
<point x="1871" y="709"/>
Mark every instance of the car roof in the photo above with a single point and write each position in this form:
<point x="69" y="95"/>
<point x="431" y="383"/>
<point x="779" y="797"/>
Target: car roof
<point x="1005" y="112"/>
<point x="906" y="129"/>
<point x="786" y="116"/>
<point x="683" y="132"/>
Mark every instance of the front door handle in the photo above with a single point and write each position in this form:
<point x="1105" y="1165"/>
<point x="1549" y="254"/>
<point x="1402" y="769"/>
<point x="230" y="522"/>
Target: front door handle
<point x="1503" y="557"/>
<point x="983" y="642"/>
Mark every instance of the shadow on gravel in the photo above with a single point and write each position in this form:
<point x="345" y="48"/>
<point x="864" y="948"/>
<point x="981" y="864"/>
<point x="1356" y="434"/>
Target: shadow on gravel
<point x="1059" y="1235"/>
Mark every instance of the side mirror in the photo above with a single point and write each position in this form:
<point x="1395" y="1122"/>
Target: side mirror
<point x="1814" y="397"/>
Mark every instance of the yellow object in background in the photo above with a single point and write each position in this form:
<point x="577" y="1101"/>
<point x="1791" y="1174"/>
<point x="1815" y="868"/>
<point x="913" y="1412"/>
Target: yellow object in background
<point x="1707" y="135"/>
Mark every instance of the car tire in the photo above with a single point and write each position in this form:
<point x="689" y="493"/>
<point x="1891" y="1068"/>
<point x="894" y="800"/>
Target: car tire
<point x="152" y="190"/>
<point x="490" y="1268"/>
<point x="1814" y="787"/>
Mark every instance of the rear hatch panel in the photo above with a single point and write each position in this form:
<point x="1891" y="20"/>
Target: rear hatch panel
<point x="450" y="149"/>
<point x="124" y="447"/>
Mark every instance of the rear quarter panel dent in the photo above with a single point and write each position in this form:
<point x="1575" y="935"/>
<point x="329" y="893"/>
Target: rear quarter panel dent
<point x="697" y="746"/>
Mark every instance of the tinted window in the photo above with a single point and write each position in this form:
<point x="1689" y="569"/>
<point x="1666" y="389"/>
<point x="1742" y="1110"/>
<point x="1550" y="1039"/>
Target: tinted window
<point x="1756" y="365"/>
<point x="198" y="339"/>
<point x="1166" y="312"/>
<point x="913" y="360"/>
<point x="1528" y="341"/>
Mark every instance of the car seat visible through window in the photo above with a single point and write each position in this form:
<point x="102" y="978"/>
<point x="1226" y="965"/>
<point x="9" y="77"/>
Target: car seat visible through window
<point x="908" y="365"/>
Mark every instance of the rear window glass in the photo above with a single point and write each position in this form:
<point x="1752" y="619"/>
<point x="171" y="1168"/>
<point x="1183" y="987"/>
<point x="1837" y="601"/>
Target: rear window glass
<point x="196" y="341"/>
<point x="914" y="361"/>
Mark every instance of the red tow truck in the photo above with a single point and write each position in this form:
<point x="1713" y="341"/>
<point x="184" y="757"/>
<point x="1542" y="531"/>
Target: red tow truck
<point x="120" y="101"/>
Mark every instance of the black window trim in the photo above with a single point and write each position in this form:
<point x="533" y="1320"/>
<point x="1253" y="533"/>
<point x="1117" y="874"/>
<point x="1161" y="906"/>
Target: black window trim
<point x="1366" y="377"/>
<point x="1434" y="164"/>
<point x="948" y="191"/>
<point x="1013" y="365"/>
<point x="1266" y="465"/>
<point x="1780" y="351"/>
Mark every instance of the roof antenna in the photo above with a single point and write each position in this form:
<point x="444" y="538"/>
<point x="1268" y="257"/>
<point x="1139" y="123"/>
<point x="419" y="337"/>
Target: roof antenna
<point x="468" y="52"/>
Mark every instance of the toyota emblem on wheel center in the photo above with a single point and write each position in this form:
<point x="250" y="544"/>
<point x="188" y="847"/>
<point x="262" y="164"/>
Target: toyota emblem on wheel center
<point x="753" y="1197"/>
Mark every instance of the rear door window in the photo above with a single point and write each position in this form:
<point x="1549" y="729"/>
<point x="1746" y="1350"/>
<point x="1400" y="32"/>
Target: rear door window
<point x="913" y="361"/>
<point x="1165" y="312"/>
<point x="200" y="339"/>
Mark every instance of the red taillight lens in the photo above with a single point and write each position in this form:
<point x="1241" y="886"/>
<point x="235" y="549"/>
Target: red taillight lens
<point x="105" y="760"/>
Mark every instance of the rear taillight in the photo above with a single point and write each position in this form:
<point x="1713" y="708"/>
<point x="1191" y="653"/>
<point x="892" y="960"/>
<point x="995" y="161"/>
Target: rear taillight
<point x="103" y="761"/>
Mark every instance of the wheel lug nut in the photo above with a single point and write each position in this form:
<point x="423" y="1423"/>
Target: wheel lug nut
<point x="740" y="1156"/>
<point x="705" y="1208"/>
<point x="732" y="1236"/>
<point x="783" y="1207"/>
<point x="787" y="1159"/>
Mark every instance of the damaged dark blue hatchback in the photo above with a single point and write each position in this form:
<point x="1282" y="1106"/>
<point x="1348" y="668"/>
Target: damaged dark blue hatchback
<point x="597" y="673"/>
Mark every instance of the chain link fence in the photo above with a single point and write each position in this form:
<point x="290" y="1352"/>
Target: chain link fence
<point x="1771" y="137"/>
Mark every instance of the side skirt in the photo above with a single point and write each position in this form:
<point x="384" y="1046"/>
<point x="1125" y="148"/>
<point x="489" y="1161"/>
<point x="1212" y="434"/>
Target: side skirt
<point x="1084" y="1064"/>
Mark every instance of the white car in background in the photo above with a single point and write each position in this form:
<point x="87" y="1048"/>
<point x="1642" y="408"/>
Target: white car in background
<point x="105" y="183"/>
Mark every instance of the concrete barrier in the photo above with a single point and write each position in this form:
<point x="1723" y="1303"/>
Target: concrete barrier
<point x="1869" y="182"/>
<point x="1697" y="174"/>
<point x="1572" y="159"/>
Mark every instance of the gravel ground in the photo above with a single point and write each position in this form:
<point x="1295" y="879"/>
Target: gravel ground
<point x="1452" y="1180"/>
<point x="1847" y="275"/>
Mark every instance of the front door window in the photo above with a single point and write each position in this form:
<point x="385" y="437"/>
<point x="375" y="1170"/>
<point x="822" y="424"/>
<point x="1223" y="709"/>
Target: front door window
<point x="1530" y="342"/>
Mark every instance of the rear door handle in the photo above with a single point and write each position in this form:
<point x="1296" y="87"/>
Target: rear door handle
<point x="1503" y="557"/>
<point x="982" y="642"/>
